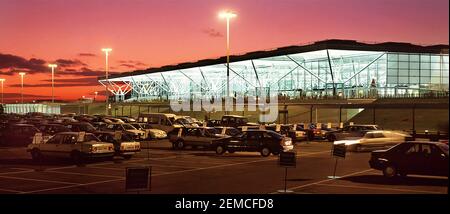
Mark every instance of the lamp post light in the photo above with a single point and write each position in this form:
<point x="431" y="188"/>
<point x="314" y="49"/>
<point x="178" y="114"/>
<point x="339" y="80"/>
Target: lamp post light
<point x="21" y="83"/>
<point x="1" y="81"/>
<point x="53" y="66"/>
<point x="228" y="15"/>
<point x="95" y="96"/>
<point x="106" y="50"/>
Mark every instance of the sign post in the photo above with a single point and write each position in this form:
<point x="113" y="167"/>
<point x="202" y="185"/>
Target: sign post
<point x="287" y="160"/>
<point x="339" y="151"/>
<point x="138" y="179"/>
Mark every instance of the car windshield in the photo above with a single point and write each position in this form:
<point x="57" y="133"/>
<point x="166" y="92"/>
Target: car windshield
<point x="128" y="126"/>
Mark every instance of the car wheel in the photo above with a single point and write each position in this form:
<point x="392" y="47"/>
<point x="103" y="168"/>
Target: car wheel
<point x="220" y="150"/>
<point x="36" y="154"/>
<point x="77" y="157"/>
<point x="265" y="152"/>
<point x="331" y="138"/>
<point x="127" y="157"/>
<point x="390" y="171"/>
<point x="180" y="144"/>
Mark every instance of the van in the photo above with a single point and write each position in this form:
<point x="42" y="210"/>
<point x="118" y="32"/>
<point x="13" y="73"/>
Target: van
<point x="160" y="121"/>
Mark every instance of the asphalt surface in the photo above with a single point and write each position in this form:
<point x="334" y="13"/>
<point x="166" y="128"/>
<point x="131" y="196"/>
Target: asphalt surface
<point x="199" y="171"/>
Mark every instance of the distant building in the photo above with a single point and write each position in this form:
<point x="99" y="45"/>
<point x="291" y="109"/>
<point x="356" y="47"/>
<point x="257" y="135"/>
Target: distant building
<point x="344" y="68"/>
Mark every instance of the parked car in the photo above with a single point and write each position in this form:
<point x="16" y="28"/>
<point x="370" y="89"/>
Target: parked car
<point x="288" y="130"/>
<point x="18" y="135"/>
<point x="235" y="121"/>
<point x="350" y="131"/>
<point x="127" y="119"/>
<point x="78" y="146"/>
<point x="374" y="140"/>
<point x="423" y="158"/>
<point x="52" y="128"/>
<point x="197" y="136"/>
<point x="81" y="127"/>
<point x="150" y="133"/>
<point x="126" y="129"/>
<point x="123" y="145"/>
<point x="230" y="131"/>
<point x="263" y="141"/>
<point x="160" y="121"/>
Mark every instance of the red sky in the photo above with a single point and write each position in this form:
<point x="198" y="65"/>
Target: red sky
<point x="147" y="33"/>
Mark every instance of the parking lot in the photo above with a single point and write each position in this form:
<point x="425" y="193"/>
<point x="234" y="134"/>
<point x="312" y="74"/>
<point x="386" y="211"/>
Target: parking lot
<point x="199" y="171"/>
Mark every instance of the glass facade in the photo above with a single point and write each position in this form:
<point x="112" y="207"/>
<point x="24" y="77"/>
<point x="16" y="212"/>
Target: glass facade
<point x="323" y="73"/>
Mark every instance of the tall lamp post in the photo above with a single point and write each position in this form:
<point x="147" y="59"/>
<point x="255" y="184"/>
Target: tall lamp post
<point x="1" y="81"/>
<point x="106" y="50"/>
<point x="53" y="66"/>
<point x="228" y="15"/>
<point x="21" y="84"/>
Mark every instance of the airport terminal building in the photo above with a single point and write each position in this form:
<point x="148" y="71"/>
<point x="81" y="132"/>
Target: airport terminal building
<point x="332" y="68"/>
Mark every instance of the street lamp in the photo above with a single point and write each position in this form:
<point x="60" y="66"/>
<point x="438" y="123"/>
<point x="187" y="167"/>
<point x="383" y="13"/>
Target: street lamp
<point x="95" y="96"/>
<point x="228" y="15"/>
<point x="21" y="83"/>
<point x="1" y="81"/>
<point x="53" y="66"/>
<point x="106" y="50"/>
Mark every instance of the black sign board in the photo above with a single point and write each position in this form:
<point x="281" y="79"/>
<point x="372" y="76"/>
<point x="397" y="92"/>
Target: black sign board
<point x="339" y="150"/>
<point x="138" y="178"/>
<point x="287" y="159"/>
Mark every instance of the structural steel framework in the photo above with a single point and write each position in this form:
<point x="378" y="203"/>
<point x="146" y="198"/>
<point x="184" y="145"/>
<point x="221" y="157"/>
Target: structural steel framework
<point x="327" y="72"/>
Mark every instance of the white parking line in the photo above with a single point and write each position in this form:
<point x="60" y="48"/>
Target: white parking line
<point x="84" y="174"/>
<point x="193" y="161"/>
<point x="39" y="180"/>
<point x="106" y="163"/>
<point x="167" y="173"/>
<point x="322" y="181"/>
<point x="171" y="166"/>
<point x="381" y="188"/>
<point x="17" y="172"/>
<point x="10" y="190"/>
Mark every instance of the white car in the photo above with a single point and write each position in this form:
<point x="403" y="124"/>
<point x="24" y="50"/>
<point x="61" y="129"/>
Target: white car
<point x="374" y="140"/>
<point x="127" y="129"/>
<point x="75" y="145"/>
<point x="123" y="145"/>
<point x="150" y="133"/>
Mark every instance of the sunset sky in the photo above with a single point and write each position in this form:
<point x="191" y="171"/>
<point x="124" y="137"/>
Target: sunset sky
<point x="151" y="33"/>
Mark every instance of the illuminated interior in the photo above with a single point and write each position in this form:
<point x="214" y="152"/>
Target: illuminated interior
<point x="315" y="74"/>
